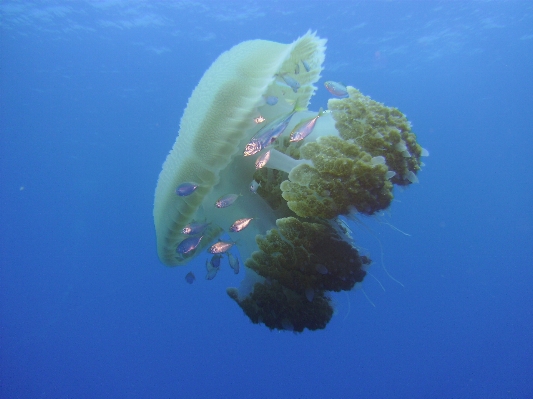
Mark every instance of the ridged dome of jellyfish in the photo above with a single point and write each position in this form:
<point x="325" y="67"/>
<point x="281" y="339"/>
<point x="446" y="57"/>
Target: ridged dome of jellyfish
<point x="282" y="213"/>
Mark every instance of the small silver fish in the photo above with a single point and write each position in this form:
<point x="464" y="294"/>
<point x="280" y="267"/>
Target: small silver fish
<point x="185" y="189"/>
<point x="337" y="89"/>
<point x="215" y="260"/>
<point x="240" y="224"/>
<point x="269" y="133"/>
<point x="262" y="160"/>
<point x="194" y="228"/>
<point x="211" y="271"/>
<point x="254" y="186"/>
<point x="271" y="100"/>
<point x="306" y="65"/>
<point x="297" y="69"/>
<point x="188" y="244"/>
<point x="233" y="262"/>
<point x="291" y="82"/>
<point x="253" y="147"/>
<point x="226" y="200"/>
<point x="220" y="247"/>
<point x="190" y="277"/>
<point x="304" y="128"/>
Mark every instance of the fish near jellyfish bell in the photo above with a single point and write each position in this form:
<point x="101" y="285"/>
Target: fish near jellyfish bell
<point x="290" y="81"/>
<point x="226" y="200"/>
<point x="194" y="228"/>
<point x="185" y="189"/>
<point x="306" y="66"/>
<point x="233" y="262"/>
<point x="188" y="245"/>
<point x="240" y="225"/>
<point x="271" y="100"/>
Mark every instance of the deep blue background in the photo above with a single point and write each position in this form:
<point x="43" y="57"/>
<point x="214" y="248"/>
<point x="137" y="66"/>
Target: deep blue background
<point x="91" y="95"/>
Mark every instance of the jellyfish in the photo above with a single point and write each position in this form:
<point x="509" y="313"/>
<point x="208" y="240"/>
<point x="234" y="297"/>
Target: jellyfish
<point x="296" y="251"/>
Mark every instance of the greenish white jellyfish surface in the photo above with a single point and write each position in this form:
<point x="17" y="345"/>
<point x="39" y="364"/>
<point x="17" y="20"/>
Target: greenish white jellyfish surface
<point x="296" y="250"/>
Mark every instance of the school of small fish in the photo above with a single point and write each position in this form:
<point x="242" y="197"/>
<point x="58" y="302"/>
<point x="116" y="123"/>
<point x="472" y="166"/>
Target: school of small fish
<point x="265" y="137"/>
<point x="212" y="267"/>
<point x="269" y="133"/>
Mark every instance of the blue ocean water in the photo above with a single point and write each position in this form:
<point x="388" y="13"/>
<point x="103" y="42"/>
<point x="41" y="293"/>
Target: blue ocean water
<point x="91" y="95"/>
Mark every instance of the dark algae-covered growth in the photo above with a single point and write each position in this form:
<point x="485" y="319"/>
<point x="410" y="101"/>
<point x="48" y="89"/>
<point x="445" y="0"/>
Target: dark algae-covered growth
<point x="300" y="262"/>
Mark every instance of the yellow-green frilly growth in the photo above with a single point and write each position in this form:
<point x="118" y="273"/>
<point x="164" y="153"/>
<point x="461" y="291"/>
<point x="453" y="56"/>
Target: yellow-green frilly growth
<point x="343" y="177"/>
<point x="380" y="131"/>
<point x="354" y="169"/>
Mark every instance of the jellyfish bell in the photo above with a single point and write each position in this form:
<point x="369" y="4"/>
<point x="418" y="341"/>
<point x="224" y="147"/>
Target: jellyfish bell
<point x="294" y="246"/>
<point x="214" y="130"/>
